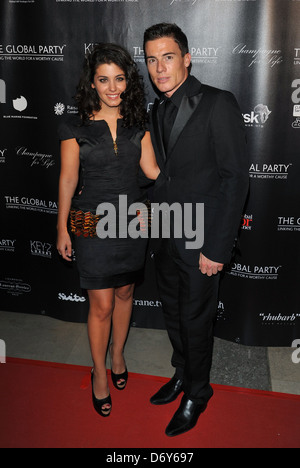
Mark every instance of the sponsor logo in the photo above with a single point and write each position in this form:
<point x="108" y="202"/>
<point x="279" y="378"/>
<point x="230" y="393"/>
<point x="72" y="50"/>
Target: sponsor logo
<point x="255" y="272"/>
<point x="71" y="297"/>
<point x="296" y="113"/>
<point x="30" y="52"/>
<point x="138" y="54"/>
<point x="146" y="303"/>
<point x="270" y="57"/>
<point x="15" y="286"/>
<point x="296" y="101"/>
<point x="296" y="353"/>
<point x="2" y="155"/>
<point x="30" y="204"/>
<point x="7" y="245"/>
<point x="258" y="117"/>
<point x="41" y="249"/>
<point x="279" y="319"/>
<point x="36" y="158"/>
<point x="20" y="104"/>
<point x="60" y="109"/>
<point x="204" y="54"/>
<point x="288" y="223"/>
<point x="269" y="171"/>
<point x="246" y="223"/>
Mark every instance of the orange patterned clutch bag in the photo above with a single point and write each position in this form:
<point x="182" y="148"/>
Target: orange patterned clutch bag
<point x="83" y="223"/>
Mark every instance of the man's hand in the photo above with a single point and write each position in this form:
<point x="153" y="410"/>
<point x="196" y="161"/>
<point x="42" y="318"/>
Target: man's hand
<point x="208" y="267"/>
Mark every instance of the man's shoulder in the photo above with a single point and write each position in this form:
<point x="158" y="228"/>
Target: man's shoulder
<point x="197" y="87"/>
<point x="217" y="95"/>
<point x="212" y="90"/>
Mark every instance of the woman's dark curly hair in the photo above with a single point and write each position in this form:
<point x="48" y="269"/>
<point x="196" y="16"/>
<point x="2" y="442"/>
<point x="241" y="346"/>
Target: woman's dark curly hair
<point x="132" y="106"/>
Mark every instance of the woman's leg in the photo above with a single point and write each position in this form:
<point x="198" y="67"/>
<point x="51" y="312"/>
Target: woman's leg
<point x="99" y="326"/>
<point x="121" y="321"/>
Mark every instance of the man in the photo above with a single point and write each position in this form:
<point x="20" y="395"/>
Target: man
<point x="199" y="139"/>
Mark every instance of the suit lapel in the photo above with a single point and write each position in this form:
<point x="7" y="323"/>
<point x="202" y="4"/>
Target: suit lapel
<point x="157" y="131"/>
<point x="186" y="110"/>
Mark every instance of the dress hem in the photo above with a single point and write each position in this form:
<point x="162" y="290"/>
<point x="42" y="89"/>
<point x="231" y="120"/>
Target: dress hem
<point x="114" y="281"/>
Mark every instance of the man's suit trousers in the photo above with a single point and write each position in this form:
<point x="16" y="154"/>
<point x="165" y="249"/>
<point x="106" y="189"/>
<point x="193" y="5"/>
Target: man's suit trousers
<point x="189" y="301"/>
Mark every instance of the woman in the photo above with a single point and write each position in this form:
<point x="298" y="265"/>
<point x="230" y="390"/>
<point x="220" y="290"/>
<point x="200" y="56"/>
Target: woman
<point x="106" y="143"/>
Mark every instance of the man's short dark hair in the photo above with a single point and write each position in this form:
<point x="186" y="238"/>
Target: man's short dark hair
<point x="158" y="31"/>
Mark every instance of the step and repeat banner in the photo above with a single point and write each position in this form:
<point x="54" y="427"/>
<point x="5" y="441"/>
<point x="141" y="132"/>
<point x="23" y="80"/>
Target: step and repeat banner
<point x="249" y="47"/>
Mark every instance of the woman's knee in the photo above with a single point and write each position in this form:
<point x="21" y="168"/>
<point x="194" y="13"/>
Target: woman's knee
<point x="101" y="305"/>
<point x="125" y="293"/>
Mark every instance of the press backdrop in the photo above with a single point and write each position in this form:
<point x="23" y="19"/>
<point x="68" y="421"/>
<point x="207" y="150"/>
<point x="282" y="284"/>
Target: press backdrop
<point x="249" y="47"/>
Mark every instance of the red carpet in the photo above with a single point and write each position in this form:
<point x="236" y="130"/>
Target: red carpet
<point x="49" y="405"/>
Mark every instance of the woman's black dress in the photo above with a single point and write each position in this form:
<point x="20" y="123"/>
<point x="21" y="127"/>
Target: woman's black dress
<point x="107" y="262"/>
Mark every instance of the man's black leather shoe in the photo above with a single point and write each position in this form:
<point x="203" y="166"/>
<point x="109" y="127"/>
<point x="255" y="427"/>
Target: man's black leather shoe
<point x="186" y="417"/>
<point x="168" y="392"/>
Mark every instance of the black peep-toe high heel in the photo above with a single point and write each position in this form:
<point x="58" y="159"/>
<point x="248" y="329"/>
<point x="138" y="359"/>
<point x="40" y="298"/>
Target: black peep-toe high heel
<point x="117" y="377"/>
<point x="98" y="404"/>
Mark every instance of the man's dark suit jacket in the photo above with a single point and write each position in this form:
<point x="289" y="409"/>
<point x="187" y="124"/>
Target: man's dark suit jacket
<point x="206" y="163"/>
